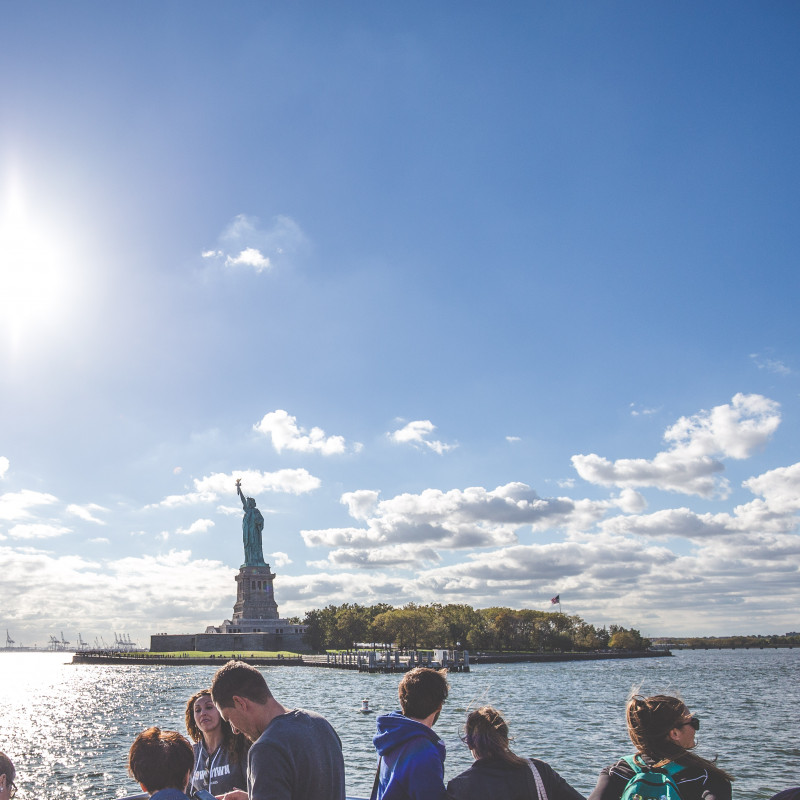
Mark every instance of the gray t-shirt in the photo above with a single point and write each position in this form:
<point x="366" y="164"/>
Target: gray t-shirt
<point x="298" y="757"/>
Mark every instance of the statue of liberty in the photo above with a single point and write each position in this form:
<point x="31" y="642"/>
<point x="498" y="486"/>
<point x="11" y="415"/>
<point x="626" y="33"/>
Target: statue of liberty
<point x="252" y="526"/>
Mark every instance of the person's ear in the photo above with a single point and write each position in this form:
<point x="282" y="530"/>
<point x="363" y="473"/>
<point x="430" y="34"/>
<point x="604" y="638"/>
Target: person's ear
<point x="239" y="703"/>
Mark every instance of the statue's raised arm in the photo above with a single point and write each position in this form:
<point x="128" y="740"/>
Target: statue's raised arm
<point x="239" y="492"/>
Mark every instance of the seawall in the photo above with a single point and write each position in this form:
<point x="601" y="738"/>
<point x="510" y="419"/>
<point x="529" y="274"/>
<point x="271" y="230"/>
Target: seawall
<point x="343" y="662"/>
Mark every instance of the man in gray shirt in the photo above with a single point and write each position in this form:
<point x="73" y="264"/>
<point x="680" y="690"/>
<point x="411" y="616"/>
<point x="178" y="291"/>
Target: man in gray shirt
<point x="295" y="755"/>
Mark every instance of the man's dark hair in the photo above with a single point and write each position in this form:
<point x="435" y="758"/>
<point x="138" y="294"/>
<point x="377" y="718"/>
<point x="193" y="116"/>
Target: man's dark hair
<point x="7" y="768"/>
<point x="422" y="691"/>
<point x="238" y="678"/>
<point x="160" y="760"/>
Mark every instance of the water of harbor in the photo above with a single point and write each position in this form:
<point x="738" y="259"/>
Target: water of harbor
<point x="68" y="728"/>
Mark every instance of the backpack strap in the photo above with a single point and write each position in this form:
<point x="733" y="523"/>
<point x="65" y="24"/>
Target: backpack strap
<point x="633" y="764"/>
<point x="538" y="778"/>
<point x="671" y="769"/>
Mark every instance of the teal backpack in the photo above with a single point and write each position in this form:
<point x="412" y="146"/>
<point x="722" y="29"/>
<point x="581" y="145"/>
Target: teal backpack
<point x="651" y="784"/>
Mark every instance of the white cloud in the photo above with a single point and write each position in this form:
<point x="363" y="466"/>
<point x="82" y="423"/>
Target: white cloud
<point x="399" y="555"/>
<point x="37" y="530"/>
<point x="4" y="465"/>
<point x="666" y="524"/>
<point x="513" y="439"/>
<point x="85" y="512"/>
<point x="468" y="518"/>
<point x="773" y="516"/>
<point x="291" y="481"/>
<point x="779" y="487"/>
<point x="198" y="526"/>
<point x="180" y="500"/>
<point x="417" y="433"/>
<point x="361" y="503"/>
<point x="770" y="364"/>
<point x="279" y="559"/>
<point x="246" y="243"/>
<point x="631" y="501"/>
<point x="729" y="583"/>
<point x="642" y="412"/>
<point x="99" y="540"/>
<point x="732" y="430"/>
<point x="18" y="505"/>
<point x="70" y="590"/>
<point x="210" y="488"/>
<point x="249" y="257"/>
<point x="285" y="434"/>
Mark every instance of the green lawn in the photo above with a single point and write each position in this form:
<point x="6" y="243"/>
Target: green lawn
<point x="218" y="655"/>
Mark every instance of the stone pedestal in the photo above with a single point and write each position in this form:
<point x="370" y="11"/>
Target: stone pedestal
<point x="255" y="596"/>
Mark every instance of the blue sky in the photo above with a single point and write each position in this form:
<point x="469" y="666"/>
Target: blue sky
<point x="482" y="303"/>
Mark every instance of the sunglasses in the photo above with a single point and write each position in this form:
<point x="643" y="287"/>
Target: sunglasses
<point x="693" y="721"/>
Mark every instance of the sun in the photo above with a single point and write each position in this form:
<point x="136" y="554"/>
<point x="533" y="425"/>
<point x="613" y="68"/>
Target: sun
<point x="34" y="269"/>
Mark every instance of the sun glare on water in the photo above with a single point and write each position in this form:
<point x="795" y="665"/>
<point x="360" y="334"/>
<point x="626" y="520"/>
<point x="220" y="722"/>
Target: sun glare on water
<point x="37" y="274"/>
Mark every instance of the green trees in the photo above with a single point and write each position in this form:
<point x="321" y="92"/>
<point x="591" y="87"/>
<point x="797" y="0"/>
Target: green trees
<point x="622" y="639"/>
<point x="459" y="626"/>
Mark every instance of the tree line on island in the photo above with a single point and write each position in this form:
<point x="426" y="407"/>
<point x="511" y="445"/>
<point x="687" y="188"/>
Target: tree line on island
<point x="461" y="627"/>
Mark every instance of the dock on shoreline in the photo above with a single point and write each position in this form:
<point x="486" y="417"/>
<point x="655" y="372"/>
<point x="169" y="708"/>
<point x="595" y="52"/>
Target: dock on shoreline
<point x="371" y="661"/>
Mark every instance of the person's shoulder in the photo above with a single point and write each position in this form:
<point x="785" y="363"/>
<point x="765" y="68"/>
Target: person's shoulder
<point x="299" y="723"/>
<point x="542" y="766"/>
<point x="461" y="781"/>
<point x="691" y="772"/>
<point x="310" y="718"/>
<point x="169" y="794"/>
<point x="788" y="794"/>
<point x="302" y="715"/>
<point x="619" y="769"/>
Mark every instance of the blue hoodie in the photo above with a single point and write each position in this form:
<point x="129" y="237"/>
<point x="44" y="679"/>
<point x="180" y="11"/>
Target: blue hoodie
<point x="412" y="759"/>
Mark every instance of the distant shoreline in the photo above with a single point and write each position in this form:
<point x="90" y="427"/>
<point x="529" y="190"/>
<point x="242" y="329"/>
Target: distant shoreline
<point x="182" y="659"/>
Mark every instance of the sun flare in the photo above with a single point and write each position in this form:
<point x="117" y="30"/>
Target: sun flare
<point x="35" y="269"/>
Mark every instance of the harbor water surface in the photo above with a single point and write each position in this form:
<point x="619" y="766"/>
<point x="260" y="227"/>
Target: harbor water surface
<point x="68" y="728"/>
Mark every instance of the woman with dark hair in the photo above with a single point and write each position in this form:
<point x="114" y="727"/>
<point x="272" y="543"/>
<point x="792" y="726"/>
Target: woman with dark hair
<point x="663" y="732"/>
<point x="499" y="772"/>
<point x="220" y="755"/>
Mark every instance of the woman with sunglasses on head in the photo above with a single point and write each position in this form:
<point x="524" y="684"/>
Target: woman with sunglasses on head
<point x="498" y="771"/>
<point x="220" y="755"/>
<point x="7" y="775"/>
<point x="663" y="732"/>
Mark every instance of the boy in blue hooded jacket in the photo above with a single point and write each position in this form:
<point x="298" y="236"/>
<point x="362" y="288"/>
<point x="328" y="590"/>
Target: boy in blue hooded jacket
<point x="411" y="765"/>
